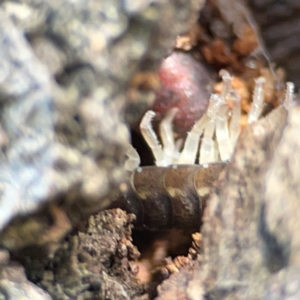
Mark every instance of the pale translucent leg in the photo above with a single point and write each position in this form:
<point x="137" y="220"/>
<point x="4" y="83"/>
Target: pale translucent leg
<point x="189" y="152"/>
<point x="167" y="136"/>
<point x="222" y="133"/>
<point x="191" y="145"/>
<point x="151" y="138"/>
<point x="178" y="147"/>
<point x="226" y="78"/>
<point x="222" y="117"/>
<point x="207" y="149"/>
<point x="216" y="151"/>
<point x="289" y="95"/>
<point x="133" y="161"/>
<point x="258" y="100"/>
<point x="215" y="102"/>
<point x="235" y="127"/>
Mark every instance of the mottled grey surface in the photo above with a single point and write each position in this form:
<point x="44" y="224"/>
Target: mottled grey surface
<point x="14" y="284"/>
<point x="64" y="70"/>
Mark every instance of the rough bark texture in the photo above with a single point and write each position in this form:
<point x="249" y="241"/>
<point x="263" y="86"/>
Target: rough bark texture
<point x="97" y="262"/>
<point x="14" y="284"/>
<point x="250" y="230"/>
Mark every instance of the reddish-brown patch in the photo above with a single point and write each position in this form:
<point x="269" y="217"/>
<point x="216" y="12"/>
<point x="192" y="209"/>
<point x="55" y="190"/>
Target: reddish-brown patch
<point x="185" y="85"/>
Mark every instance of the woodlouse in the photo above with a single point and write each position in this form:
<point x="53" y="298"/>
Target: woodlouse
<point x="173" y="193"/>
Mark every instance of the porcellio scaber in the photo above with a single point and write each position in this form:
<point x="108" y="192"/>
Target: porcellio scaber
<point x="173" y="193"/>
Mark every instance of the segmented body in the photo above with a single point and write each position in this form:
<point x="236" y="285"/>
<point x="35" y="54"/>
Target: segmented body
<point x="169" y="197"/>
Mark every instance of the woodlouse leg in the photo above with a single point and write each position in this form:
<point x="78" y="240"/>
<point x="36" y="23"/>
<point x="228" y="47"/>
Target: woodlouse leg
<point x="190" y="148"/>
<point x="223" y="136"/>
<point x="289" y="95"/>
<point x="216" y="115"/>
<point x="235" y="127"/>
<point x="163" y="154"/>
<point x="207" y="149"/>
<point x="133" y="161"/>
<point x="151" y="138"/>
<point x="222" y="133"/>
<point x="178" y="147"/>
<point x="226" y="78"/>
<point x="167" y="136"/>
<point x="206" y="127"/>
<point x="258" y="100"/>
